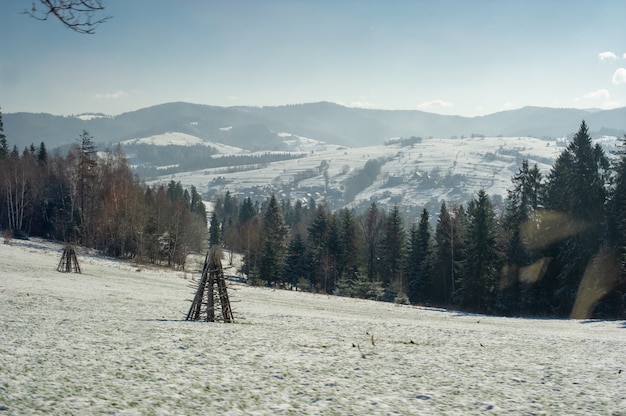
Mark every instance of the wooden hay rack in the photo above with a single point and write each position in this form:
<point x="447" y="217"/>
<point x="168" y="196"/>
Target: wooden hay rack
<point x="211" y="302"/>
<point x="68" y="262"/>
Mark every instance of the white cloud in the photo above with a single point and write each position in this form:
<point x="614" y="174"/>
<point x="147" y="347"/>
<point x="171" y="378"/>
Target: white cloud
<point x="429" y="105"/>
<point x="601" y="94"/>
<point x="619" y="77"/>
<point x="111" y="95"/>
<point x="624" y="56"/>
<point x="607" y="55"/>
<point x="233" y="98"/>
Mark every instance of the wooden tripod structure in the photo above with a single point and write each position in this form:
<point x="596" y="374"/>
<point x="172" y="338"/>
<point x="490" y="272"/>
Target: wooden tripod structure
<point x="212" y="293"/>
<point x="68" y="262"/>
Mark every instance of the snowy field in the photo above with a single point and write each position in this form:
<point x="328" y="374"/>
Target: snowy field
<point x="112" y="341"/>
<point x="486" y="163"/>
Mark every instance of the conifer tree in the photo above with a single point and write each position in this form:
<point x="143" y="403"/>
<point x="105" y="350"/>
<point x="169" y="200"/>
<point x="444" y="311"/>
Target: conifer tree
<point x="249" y="231"/>
<point x="393" y="247"/>
<point x="4" y="145"/>
<point x="187" y="199"/>
<point x="215" y="232"/>
<point x="318" y="252"/>
<point x="443" y="260"/>
<point x="87" y="161"/>
<point x="349" y="258"/>
<point x="247" y="211"/>
<point x="418" y="260"/>
<point x="372" y="224"/>
<point x="4" y="156"/>
<point x="273" y="245"/>
<point x="295" y="269"/>
<point x="522" y="203"/>
<point x="350" y="251"/>
<point x="231" y="207"/>
<point x="335" y="255"/>
<point x="575" y="188"/>
<point x="299" y="218"/>
<point x="42" y="154"/>
<point x="197" y="206"/>
<point x="613" y="304"/>
<point x="478" y="279"/>
<point x="617" y="206"/>
<point x="175" y="191"/>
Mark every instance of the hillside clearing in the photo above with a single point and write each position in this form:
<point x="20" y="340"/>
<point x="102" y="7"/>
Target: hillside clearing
<point x="113" y="341"/>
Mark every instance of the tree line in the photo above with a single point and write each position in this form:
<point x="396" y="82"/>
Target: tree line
<point x="178" y="158"/>
<point x="92" y="198"/>
<point x="557" y="248"/>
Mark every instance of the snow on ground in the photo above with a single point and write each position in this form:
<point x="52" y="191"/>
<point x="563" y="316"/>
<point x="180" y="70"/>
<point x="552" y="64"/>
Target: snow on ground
<point x="428" y="172"/>
<point x="182" y="139"/>
<point x="484" y="162"/>
<point x="88" y="116"/>
<point x="296" y="143"/>
<point x="112" y="341"/>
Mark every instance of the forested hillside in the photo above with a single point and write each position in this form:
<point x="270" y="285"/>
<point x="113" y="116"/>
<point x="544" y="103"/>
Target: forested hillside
<point x="557" y="248"/>
<point x="92" y="198"/>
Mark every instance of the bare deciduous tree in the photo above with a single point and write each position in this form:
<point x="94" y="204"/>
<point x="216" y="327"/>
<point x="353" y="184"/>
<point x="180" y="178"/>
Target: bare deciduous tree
<point x="82" y="16"/>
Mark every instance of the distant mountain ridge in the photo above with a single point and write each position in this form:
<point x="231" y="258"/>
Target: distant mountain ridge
<point x="259" y="127"/>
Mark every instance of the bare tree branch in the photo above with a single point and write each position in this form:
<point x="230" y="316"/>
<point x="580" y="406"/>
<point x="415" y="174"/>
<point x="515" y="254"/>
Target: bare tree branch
<point x="82" y="16"/>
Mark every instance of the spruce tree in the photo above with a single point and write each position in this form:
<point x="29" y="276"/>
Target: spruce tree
<point x="477" y="282"/>
<point x="418" y="260"/>
<point x="317" y="243"/>
<point x="215" y="232"/>
<point x="617" y="205"/>
<point x="4" y="156"/>
<point x="393" y="249"/>
<point x="249" y="233"/>
<point x="87" y="164"/>
<point x="197" y="206"/>
<point x="575" y="189"/>
<point x="42" y="154"/>
<point x="176" y="192"/>
<point x="442" y="281"/>
<point x="334" y="249"/>
<point x="613" y="304"/>
<point x="349" y="245"/>
<point x="372" y="224"/>
<point x="521" y="205"/>
<point x="247" y="211"/>
<point x="4" y="145"/>
<point x="295" y="268"/>
<point x="231" y="207"/>
<point x="273" y="243"/>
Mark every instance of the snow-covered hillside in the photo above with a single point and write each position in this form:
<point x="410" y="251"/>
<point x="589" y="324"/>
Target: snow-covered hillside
<point x="420" y="174"/>
<point x="112" y="341"/>
<point x="181" y="139"/>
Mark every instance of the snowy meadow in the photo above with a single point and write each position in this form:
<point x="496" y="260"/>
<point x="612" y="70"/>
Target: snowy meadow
<point x="113" y="340"/>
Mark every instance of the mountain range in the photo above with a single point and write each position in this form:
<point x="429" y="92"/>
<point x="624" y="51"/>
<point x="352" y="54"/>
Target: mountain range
<point x="257" y="127"/>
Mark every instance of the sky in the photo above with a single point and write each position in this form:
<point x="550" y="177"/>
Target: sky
<point x="459" y="57"/>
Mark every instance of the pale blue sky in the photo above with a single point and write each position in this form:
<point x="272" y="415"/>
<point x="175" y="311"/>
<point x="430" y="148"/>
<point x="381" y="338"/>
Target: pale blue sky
<point x="465" y="57"/>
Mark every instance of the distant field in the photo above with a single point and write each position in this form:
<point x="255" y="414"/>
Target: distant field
<point x="427" y="172"/>
<point x="112" y="341"/>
